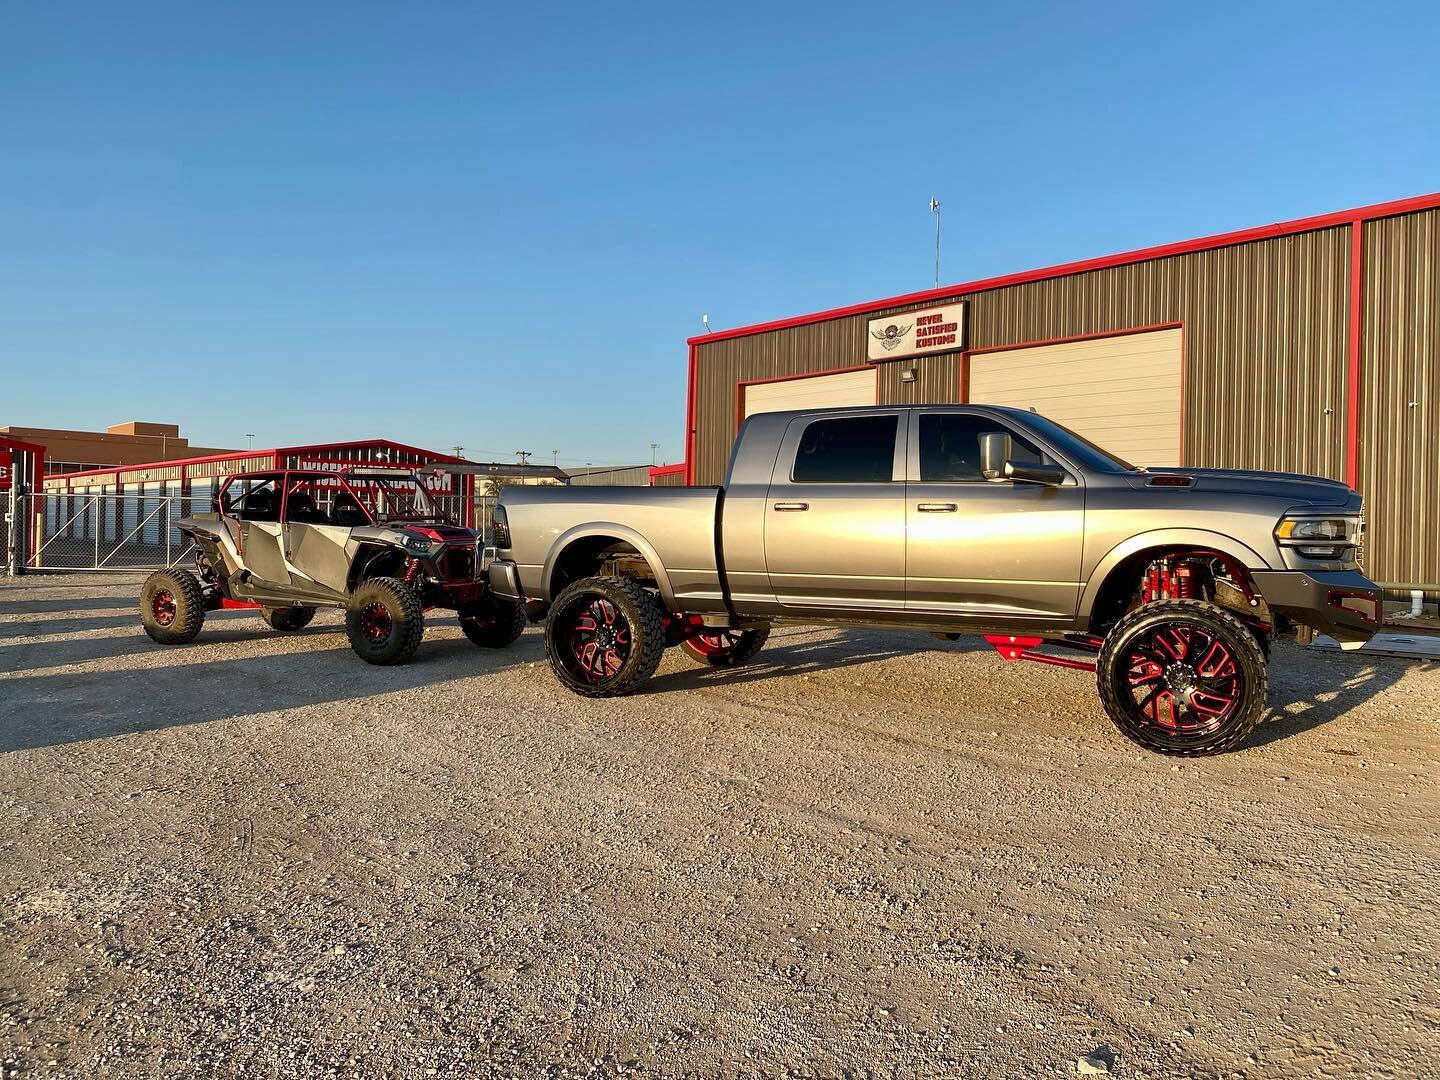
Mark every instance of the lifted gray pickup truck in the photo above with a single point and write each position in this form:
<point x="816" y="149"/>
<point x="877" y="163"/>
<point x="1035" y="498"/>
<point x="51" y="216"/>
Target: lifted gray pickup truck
<point x="956" y="520"/>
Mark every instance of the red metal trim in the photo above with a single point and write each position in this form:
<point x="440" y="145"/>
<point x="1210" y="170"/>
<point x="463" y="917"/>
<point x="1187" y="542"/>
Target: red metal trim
<point x="666" y="470"/>
<point x="354" y="443"/>
<point x="237" y="605"/>
<point x="690" y="392"/>
<point x="21" y="445"/>
<point x="1352" y="378"/>
<point x="1184" y="247"/>
<point x="740" y="387"/>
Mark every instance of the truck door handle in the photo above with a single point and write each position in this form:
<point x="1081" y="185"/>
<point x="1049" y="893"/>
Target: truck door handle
<point x="792" y="506"/>
<point x="936" y="508"/>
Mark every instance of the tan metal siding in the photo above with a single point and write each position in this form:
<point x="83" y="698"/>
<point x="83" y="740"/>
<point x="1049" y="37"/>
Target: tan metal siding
<point x="1122" y="393"/>
<point x="1400" y="363"/>
<point x="1265" y="348"/>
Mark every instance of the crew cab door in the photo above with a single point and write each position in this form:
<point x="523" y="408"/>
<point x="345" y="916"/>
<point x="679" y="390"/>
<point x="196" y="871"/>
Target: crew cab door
<point x="835" y="513"/>
<point x="990" y="552"/>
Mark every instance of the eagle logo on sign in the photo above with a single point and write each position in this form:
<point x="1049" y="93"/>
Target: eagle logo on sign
<point x="891" y="336"/>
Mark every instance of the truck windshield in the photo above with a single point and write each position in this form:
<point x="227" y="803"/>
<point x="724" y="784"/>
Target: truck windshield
<point x="1076" y="447"/>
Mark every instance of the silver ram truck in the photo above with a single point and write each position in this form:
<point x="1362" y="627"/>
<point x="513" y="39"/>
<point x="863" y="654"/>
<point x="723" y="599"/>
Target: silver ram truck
<point x="1167" y="583"/>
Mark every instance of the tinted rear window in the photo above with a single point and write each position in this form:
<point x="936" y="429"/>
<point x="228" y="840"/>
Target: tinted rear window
<point x="848" y="450"/>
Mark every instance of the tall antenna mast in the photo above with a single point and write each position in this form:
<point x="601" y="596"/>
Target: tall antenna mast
<point x="935" y="209"/>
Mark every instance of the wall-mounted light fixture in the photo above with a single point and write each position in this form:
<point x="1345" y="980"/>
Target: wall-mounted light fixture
<point x="908" y="375"/>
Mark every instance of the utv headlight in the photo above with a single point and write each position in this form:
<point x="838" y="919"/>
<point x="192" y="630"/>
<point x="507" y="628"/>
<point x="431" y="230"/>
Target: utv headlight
<point x="419" y="545"/>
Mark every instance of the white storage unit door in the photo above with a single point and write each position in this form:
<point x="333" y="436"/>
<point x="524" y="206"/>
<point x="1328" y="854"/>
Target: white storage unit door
<point x="812" y="392"/>
<point x="1122" y="393"/>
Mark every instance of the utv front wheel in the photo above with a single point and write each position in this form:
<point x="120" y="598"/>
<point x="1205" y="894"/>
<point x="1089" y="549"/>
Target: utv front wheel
<point x="385" y="621"/>
<point x="1183" y="677"/>
<point x="172" y="606"/>
<point x="604" y="636"/>
<point x="726" y="648"/>
<point x="287" y="618"/>
<point x="493" y="622"/>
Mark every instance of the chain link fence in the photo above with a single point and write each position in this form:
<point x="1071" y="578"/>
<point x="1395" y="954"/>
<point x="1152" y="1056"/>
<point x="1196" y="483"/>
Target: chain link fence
<point x="102" y="532"/>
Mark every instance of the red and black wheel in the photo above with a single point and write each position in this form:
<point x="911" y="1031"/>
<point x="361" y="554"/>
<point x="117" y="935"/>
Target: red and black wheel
<point x="493" y="622"/>
<point x="172" y="606"/>
<point x="1183" y="677"/>
<point x="726" y="648"/>
<point x="385" y="621"/>
<point x="604" y="636"/>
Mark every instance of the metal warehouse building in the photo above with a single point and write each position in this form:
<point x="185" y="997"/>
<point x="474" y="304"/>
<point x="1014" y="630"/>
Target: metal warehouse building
<point x="1309" y="346"/>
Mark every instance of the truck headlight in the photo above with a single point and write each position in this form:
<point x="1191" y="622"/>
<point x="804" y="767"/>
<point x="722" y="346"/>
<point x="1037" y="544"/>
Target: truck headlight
<point x="1318" y="537"/>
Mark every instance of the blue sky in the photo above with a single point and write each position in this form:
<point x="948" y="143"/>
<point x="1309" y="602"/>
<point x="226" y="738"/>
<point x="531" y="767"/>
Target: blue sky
<point x="495" y="225"/>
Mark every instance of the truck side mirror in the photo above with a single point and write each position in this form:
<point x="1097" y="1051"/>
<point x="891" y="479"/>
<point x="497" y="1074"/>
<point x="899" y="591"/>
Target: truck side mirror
<point x="1035" y="472"/>
<point x="994" y="453"/>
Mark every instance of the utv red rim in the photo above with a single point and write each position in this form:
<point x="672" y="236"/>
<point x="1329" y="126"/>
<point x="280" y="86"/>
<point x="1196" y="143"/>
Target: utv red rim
<point x="162" y="606"/>
<point x="1182" y="681"/>
<point x="597" y="640"/>
<point x="375" y="623"/>
<point x="719" y="644"/>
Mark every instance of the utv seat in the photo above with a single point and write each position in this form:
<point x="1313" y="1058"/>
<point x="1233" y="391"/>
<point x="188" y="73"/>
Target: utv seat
<point x="300" y="509"/>
<point x="347" y="513"/>
<point x="260" y="506"/>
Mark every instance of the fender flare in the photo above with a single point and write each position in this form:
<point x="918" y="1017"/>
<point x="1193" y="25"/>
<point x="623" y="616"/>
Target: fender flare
<point x="1166" y="538"/>
<point x="612" y="530"/>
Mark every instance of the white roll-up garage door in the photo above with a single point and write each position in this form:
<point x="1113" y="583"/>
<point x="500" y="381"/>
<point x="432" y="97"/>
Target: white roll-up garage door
<point x="1122" y="393"/>
<point x="811" y="392"/>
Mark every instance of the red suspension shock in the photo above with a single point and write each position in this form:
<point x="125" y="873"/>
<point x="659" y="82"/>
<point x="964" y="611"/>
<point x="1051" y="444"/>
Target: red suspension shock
<point x="412" y="572"/>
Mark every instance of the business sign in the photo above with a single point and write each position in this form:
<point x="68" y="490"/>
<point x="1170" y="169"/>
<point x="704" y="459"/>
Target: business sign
<point x="914" y="333"/>
<point x="5" y="466"/>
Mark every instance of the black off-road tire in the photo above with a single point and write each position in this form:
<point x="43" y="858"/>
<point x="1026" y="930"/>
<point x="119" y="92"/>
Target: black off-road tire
<point x="637" y="654"/>
<point x="727" y="648"/>
<point x="385" y="621"/>
<point x="287" y="618"/>
<point x="1138" y="657"/>
<point x="493" y="622"/>
<point x="172" y="606"/>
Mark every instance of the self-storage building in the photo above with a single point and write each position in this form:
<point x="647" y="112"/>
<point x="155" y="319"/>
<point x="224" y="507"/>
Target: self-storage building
<point x="1309" y="346"/>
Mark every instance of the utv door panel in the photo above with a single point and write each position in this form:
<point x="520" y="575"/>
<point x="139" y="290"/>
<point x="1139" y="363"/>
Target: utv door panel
<point x="319" y="557"/>
<point x="260" y="549"/>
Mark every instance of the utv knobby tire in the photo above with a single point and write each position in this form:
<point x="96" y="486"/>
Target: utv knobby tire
<point x="385" y="621"/>
<point x="287" y="618"/>
<point x="172" y="606"/>
<point x="1125" y="669"/>
<point x="727" y="648"/>
<point x="493" y="622"/>
<point x="644" y="629"/>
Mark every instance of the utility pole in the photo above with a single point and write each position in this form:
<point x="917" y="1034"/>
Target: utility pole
<point x="654" y="446"/>
<point x="935" y="209"/>
<point x="458" y="451"/>
<point x="252" y="440"/>
<point x="555" y="458"/>
<point x="524" y="456"/>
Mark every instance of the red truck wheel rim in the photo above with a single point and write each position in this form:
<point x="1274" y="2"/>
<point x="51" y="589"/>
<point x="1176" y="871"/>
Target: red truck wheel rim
<point x="597" y="641"/>
<point x="375" y="623"/>
<point x="718" y="644"/>
<point x="162" y="606"/>
<point x="1182" y="680"/>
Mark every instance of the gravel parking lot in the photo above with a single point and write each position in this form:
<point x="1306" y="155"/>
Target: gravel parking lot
<point x="870" y="854"/>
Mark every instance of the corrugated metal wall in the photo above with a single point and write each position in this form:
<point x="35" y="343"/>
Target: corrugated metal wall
<point x="1400" y="442"/>
<point x="1265" y="348"/>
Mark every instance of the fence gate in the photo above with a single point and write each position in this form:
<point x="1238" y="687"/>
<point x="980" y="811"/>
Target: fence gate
<point x="105" y="532"/>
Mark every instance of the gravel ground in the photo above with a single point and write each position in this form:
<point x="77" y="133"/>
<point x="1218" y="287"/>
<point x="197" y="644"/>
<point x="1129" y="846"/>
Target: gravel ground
<point x="871" y="854"/>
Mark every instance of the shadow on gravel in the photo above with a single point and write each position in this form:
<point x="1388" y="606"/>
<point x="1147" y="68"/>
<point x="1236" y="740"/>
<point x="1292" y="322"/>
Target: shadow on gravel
<point x="51" y="710"/>
<point x="37" y="627"/>
<point x="29" y="655"/>
<point x="778" y="659"/>
<point x="77" y="603"/>
<point x="1299" y="706"/>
